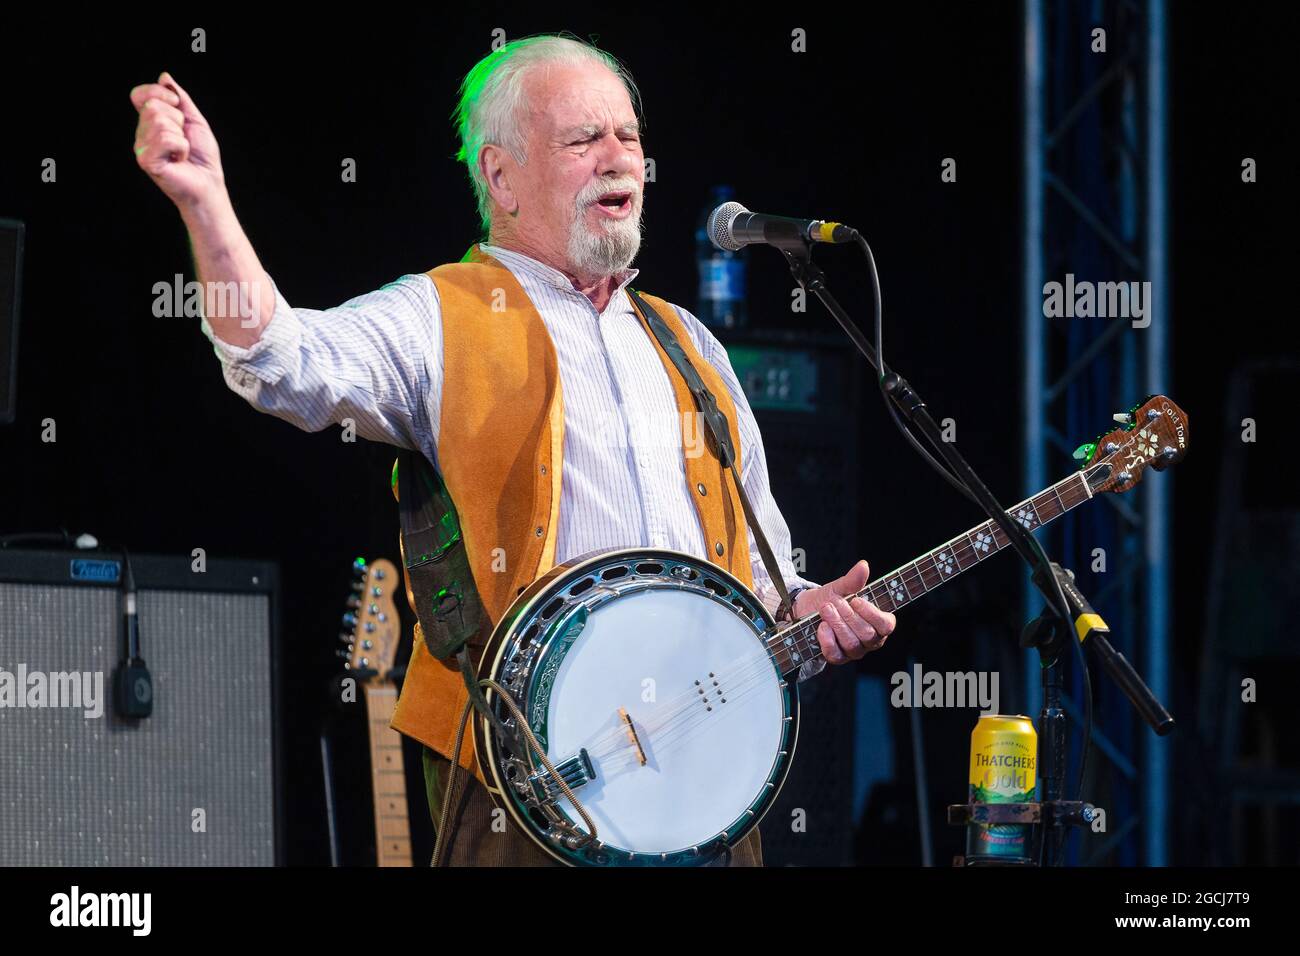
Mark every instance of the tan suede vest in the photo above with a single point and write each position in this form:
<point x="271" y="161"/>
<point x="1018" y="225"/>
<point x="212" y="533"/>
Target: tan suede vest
<point x="500" y="447"/>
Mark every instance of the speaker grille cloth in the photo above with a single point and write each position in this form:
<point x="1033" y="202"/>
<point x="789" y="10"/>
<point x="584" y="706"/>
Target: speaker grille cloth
<point x="77" y="791"/>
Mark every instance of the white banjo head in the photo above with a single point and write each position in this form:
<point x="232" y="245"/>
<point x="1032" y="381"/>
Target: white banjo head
<point x="646" y="676"/>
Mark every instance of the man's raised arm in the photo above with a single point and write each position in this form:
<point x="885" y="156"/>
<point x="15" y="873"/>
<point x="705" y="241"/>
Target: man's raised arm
<point x="374" y="362"/>
<point x="174" y="145"/>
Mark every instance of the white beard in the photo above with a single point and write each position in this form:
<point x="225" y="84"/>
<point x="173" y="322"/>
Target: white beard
<point x="606" y="250"/>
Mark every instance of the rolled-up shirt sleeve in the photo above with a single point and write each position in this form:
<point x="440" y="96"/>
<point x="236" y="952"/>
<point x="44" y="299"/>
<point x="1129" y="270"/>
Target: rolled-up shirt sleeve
<point x="374" y="361"/>
<point x="754" y="476"/>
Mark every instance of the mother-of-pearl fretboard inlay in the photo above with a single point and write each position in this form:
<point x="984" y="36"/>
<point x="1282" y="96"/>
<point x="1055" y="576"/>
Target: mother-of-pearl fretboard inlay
<point x="1026" y="516"/>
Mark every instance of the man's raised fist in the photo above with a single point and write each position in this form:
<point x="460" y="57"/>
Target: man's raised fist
<point x="175" y="145"/>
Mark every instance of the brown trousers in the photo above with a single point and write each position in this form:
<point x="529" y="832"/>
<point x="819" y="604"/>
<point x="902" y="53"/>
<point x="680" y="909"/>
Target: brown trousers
<point x="473" y="841"/>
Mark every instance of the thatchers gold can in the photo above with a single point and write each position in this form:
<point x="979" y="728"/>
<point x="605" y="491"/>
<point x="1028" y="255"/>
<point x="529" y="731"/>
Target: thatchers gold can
<point x="1003" y="769"/>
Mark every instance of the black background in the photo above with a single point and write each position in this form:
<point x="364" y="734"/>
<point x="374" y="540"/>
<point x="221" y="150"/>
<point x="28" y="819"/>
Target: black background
<point x="154" y="451"/>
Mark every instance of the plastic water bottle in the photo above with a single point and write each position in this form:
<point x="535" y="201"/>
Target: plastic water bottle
<point x="722" y="273"/>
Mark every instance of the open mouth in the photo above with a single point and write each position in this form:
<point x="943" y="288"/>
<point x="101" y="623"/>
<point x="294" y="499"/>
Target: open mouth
<point x="615" y="203"/>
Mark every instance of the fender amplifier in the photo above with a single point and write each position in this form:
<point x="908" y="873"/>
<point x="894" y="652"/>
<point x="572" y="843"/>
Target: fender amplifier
<point x="197" y="781"/>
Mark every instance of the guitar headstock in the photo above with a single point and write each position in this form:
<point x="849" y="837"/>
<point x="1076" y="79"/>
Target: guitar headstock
<point x="1154" y="434"/>
<point x="371" y="626"/>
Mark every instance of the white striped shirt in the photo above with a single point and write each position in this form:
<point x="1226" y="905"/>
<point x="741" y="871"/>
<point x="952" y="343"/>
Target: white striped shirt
<point x="377" y="360"/>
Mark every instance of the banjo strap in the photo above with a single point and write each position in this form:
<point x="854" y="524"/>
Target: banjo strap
<point x="433" y="552"/>
<point x="445" y="599"/>
<point x="721" y="435"/>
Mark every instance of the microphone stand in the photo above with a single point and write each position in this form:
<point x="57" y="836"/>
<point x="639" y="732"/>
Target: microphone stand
<point x="1053" y="812"/>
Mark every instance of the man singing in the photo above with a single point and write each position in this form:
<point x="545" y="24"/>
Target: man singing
<point x="528" y="350"/>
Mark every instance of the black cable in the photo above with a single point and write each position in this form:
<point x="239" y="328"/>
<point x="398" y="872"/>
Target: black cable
<point x="128" y="588"/>
<point x="1087" y="686"/>
<point x="937" y="465"/>
<point x="1086" y="675"/>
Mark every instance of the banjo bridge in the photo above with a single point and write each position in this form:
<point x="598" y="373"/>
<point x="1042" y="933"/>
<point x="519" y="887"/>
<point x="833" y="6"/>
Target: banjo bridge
<point x="575" y="771"/>
<point x="632" y="737"/>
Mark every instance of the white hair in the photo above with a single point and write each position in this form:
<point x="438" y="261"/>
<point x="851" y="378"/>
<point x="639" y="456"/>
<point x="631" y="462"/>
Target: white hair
<point x="492" y="103"/>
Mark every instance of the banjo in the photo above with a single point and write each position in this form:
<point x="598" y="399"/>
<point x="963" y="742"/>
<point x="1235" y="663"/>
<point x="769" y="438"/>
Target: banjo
<point x="663" y="693"/>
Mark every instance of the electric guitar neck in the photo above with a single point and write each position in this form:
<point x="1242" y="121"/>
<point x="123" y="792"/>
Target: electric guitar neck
<point x="372" y="629"/>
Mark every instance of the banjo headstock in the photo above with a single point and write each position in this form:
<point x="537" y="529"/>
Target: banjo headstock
<point x="1152" y="435"/>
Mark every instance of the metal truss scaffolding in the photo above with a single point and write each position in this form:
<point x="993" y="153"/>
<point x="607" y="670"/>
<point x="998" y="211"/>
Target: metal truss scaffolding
<point x="1094" y="206"/>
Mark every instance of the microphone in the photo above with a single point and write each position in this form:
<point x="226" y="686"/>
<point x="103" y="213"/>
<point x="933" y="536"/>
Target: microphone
<point x="732" y="226"/>
<point x="132" y="683"/>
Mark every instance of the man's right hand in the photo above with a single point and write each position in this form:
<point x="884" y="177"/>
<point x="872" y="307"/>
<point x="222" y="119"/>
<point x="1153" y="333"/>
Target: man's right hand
<point x="175" y="145"/>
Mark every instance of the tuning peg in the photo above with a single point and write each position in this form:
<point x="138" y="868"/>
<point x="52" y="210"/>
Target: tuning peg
<point x="346" y="655"/>
<point x="359" y="566"/>
<point x="354" y="602"/>
<point x="1163" y="460"/>
<point x="1124" y="418"/>
<point x="1084" y="451"/>
<point x="349" y="620"/>
<point x="345" y="637"/>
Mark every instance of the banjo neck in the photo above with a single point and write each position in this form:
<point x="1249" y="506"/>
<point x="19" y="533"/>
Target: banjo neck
<point x="795" y="644"/>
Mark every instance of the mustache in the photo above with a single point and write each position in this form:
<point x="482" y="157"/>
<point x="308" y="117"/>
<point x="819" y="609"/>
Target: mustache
<point x="593" y="193"/>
